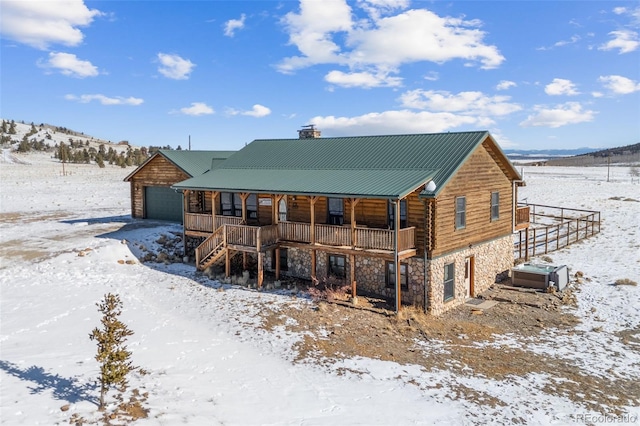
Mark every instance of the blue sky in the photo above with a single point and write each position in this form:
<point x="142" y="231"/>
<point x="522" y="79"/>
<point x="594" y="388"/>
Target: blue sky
<point x="537" y="75"/>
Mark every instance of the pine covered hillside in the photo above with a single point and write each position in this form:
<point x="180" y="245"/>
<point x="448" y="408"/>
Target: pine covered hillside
<point x="67" y="146"/>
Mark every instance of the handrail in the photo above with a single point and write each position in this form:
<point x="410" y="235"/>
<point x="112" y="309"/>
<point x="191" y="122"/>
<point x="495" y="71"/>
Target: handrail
<point x="212" y="243"/>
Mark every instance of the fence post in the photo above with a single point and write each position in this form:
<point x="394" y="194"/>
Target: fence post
<point x="534" y="242"/>
<point x="558" y="238"/>
<point x="546" y="240"/>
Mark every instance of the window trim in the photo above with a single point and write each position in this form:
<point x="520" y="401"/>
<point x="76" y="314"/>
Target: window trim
<point x="495" y="206"/>
<point x="461" y="214"/>
<point x="451" y="281"/>
<point x="390" y="282"/>
<point x="331" y="264"/>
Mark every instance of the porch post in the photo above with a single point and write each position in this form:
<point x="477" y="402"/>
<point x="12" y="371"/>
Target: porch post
<point x="277" y="255"/>
<point x="214" y="196"/>
<point x="185" y="210"/>
<point x="352" y="257"/>
<point x="396" y="256"/>
<point x="243" y="197"/>
<point x="260" y="269"/>
<point x="312" y="236"/>
<point x="352" y="273"/>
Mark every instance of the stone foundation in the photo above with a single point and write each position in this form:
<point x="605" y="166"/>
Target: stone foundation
<point x="491" y="260"/>
<point x="370" y="273"/>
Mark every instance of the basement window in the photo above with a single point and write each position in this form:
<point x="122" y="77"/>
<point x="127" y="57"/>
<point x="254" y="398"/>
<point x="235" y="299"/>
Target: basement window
<point x="337" y="266"/>
<point x="449" y="282"/>
<point x="391" y="275"/>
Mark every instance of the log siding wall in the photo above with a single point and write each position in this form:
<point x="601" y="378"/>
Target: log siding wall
<point x="157" y="172"/>
<point x="478" y="177"/>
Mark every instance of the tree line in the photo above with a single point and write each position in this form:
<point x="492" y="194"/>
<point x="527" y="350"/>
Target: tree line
<point x="76" y="151"/>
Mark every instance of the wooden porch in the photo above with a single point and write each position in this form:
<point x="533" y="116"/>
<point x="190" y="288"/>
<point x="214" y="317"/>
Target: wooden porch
<point x="234" y="235"/>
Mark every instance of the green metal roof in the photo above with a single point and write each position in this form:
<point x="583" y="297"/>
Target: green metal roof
<point x="195" y="163"/>
<point x="374" y="166"/>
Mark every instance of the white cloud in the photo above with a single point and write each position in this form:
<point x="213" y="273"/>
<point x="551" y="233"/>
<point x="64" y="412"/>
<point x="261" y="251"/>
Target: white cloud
<point x="561" y="86"/>
<point x="624" y="40"/>
<point x="175" y="67"/>
<point x="597" y="94"/>
<point x="42" y="23"/>
<point x="362" y="79"/>
<point x="232" y="25"/>
<point x="560" y="115"/>
<point x="325" y="33"/>
<point x="432" y="76"/>
<point x="196" y="109"/>
<point x="69" y="64"/>
<point x="505" y="85"/>
<point x="257" y="111"/>
<point x="105" y="100"/>
<point x="572" y="40"/>
<point x="468" y="103"/>
<point x="619" y="85"/>
<point x="395" y="122"/>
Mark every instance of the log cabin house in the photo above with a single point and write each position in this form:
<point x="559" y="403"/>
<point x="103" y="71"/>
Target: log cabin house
<point x="151" y="194"/>
<point x="440" y="208"/>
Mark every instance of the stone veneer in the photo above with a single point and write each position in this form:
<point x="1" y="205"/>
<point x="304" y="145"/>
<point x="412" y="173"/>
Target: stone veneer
<point x="491" y="260"/>
<point x="370" y="273"/>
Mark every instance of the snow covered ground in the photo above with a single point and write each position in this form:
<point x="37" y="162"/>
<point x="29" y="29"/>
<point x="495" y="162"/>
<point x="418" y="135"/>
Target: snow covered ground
<point x="210" y="362"/>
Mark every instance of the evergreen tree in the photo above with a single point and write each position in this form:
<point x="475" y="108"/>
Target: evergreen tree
<point x="24" y="145"/>
<point x="4" y="127"/>
<point x="113" y="356"/>
<point x="12" y="128"/>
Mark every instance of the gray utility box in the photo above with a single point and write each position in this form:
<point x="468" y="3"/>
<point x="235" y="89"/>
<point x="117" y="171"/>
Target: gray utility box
<point x="540" y="276"/>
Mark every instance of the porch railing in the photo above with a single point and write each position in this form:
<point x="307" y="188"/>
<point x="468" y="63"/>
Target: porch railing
<point x="333" y="235"/>
<point x="330" y="235"/>
<point x="295" y="231"/>
<point x="198" y="222"/>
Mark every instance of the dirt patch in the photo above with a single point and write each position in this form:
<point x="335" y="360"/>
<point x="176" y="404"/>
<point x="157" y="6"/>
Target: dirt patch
<point x="33" y="217"/>
<point x="462" y="341"/>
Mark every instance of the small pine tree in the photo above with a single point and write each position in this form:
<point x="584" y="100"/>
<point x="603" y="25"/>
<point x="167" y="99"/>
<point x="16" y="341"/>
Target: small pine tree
<point x="112" y="355"/>
<point x="12" y="128"/>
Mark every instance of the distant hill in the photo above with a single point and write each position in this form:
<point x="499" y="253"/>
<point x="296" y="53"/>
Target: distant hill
<point x="67" y="146"/>
<point x="546" y="153"/>
<point x="628" y="154"/>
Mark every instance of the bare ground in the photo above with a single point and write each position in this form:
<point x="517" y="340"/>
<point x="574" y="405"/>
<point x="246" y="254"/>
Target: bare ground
<point x="463" y="341"/>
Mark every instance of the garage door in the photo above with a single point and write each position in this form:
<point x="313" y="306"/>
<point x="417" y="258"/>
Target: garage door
<point x="162" y="203"/>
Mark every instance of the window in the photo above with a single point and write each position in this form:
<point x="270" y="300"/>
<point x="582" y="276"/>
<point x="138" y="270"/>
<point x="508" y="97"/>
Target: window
<point x="231" y="205"/>
<point x="336" y="211"/>
<point x="461" y="212"/>
<point x="403" y="214"/>
<point x="337" y="266"/>
<point x="495" y="205"/>
<point x="226" y="204"/>
<point x="449" y="282"/>
<point x="283" y="259"/>
<point x="391" y="275"/>
<point x="282" y="210"/>
<point x="252" y="207"/>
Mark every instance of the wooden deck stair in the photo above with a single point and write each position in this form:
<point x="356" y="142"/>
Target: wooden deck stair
<point x="211" y="250"/>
